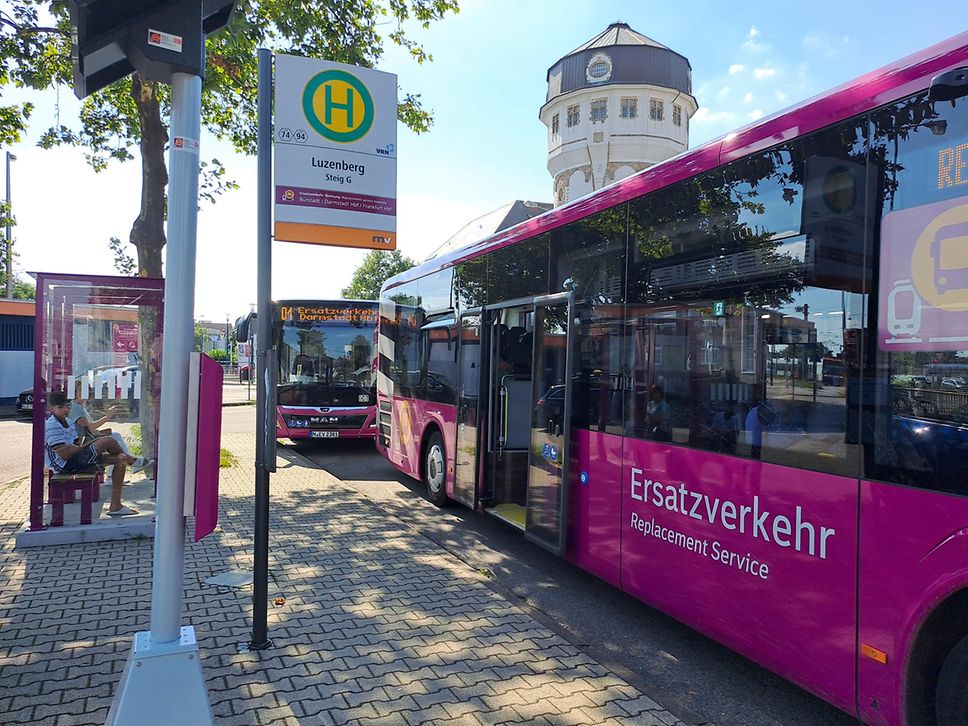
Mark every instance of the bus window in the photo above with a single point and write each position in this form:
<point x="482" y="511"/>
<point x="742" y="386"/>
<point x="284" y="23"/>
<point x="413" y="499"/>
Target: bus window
<point x="764" y="263"/>
<point x="919" y="368"/>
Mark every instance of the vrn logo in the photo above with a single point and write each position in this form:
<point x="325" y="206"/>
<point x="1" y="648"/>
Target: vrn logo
<point x="385" y="150"/>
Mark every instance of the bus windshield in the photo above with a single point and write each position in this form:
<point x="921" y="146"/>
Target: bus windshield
<point x="325" y="355"/>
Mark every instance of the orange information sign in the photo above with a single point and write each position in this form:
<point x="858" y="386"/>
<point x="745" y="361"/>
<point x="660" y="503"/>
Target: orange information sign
<point x="320" y="234"/>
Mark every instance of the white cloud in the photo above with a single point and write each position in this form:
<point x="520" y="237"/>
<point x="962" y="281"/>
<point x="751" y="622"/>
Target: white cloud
<point x="706" y="115"/>
<point x="723" y="92"/>
<point x="781" y="96"/>
<point x="764" y="72"/>
<point x="755" y="114"/>
<point x="751" y="42"/>
<point x="822" y="44"/>
<point x="736" y="68"/>
<point x="748" y="98"/>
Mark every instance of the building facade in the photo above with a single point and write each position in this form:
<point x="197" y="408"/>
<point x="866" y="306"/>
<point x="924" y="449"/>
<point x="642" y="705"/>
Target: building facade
<point x="615" y="105"/>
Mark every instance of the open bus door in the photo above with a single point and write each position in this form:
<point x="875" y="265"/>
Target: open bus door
<point x="551" y="393"/>
<point x="468" y="409"/>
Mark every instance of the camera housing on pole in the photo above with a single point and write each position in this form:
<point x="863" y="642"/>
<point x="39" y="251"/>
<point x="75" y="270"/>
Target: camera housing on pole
<point x="111" y="39"/>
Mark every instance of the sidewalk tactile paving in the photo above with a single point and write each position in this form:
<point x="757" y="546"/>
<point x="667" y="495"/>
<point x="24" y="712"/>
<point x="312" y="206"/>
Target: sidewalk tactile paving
<point x="380" y="625"/>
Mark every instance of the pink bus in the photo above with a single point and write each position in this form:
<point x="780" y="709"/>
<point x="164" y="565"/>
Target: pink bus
<point x="325" y="369"/>
<point x="604" y="378"/>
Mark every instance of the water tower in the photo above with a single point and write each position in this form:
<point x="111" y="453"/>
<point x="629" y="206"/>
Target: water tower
<point x="615" y="105"/>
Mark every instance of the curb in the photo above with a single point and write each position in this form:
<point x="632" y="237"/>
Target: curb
<point x="226" y="404"/>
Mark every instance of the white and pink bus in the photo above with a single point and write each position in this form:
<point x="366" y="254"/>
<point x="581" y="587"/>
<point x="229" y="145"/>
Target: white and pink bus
<point x="634" y="380"/>
<point x="325" y="369"/>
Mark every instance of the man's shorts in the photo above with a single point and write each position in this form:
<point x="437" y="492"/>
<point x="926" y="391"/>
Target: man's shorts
<point x="85" y="461"/>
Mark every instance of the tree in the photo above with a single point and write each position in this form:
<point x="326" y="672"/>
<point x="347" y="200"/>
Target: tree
<point x="35" y="52"/>
<point x="375" y="269"/>
<point x="200" y="337"/>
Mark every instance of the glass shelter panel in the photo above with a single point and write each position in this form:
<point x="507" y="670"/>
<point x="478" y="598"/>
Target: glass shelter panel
<point x="98" y="341"/>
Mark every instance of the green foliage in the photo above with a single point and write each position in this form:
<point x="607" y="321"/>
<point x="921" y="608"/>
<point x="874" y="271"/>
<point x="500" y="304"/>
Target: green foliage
<point x="200" y="338"/>
<point x="21" y="290"/>
<point x="226" y="459"/>
<point x="123" y="262"/>
<point x="375" y="269"/>
<point x="218" y="354"/>
<point x="134" y="440"/>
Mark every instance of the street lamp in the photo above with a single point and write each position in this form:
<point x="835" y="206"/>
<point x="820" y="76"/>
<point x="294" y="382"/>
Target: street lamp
<point x="228" y="358"/>
<point x="9" y="263"/>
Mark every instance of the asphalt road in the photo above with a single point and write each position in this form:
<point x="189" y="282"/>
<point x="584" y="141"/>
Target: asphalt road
<point x="689" y="674"/>
<point x="15" y="459"/>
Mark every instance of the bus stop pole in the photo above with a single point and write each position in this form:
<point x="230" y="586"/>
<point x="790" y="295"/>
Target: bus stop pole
<point x="163" y="681"/>
<point x="265" y="413"/>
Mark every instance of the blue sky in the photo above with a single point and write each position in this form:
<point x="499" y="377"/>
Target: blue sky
<point x="487" y="146"/>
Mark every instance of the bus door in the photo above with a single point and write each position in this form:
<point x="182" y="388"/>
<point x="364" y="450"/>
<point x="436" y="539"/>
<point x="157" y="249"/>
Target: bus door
<point x="468" y="409"/>
<point x="551" y="392"/>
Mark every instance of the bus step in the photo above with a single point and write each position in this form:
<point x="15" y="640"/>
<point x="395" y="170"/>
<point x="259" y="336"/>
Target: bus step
<point x="513" y="514"/>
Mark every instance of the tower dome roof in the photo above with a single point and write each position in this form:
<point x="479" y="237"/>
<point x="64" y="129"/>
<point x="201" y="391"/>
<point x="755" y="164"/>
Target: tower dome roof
<point x="619" y="56"/>
<point x="618" y="33"/>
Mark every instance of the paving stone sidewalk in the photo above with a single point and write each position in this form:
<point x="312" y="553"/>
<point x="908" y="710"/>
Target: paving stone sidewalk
<point x="379" y="624"/>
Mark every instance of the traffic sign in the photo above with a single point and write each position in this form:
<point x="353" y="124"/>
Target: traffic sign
<point x="335" y="155"/>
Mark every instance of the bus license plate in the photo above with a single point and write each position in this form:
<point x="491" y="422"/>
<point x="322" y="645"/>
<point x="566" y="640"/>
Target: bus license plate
<point x="324" y="434"/>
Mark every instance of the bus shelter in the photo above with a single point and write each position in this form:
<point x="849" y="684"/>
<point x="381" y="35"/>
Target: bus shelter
<point x="98" y="339"/>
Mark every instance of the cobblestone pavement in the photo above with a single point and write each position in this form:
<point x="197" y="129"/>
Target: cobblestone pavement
<point x="379" y="624"/>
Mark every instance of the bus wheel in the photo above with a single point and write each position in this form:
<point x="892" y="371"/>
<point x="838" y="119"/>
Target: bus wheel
<point x="951" y="697"/>
<point x="435" y="471"/>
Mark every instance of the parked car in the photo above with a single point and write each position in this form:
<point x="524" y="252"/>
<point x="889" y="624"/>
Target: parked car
<point x="952" y="383"/>
<point x="920" y="381"/>
<point x="25" y="402"/>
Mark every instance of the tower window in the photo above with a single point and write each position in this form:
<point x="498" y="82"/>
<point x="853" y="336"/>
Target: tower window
<point x="655" y="109"/>
<point x="677" y="114"/>
<point x="599" y="68"/>
<point x="599" y="109"/>
<point x="630" y="108"/>
<point x="573" y="116"/>
<point x="554" y="125"/>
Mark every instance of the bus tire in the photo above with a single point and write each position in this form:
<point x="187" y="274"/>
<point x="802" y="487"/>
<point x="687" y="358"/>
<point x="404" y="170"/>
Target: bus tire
<point x="435" y="469"/>
<point x="951" y="696"/>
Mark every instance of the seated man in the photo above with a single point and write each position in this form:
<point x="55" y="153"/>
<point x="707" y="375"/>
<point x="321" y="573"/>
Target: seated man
<point x="66" y="455"/>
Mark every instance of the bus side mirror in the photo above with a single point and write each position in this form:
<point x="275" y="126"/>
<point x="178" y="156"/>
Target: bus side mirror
<point x="242" y="326"/>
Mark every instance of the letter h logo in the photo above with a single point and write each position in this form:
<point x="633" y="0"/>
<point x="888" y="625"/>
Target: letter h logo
<point x="346" y="106"/>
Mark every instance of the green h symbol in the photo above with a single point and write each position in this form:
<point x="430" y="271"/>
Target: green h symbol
<point x="347" y="106"/>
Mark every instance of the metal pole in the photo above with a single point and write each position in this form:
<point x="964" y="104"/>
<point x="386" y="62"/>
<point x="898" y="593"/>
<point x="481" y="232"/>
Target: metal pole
<point x="9" y="262"/>
<point x="169" y="562"/>
<point x="260" y="561"/>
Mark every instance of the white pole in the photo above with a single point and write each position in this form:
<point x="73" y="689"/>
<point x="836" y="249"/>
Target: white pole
<point x="169" y="564"/>
<point x="163" y="683"/>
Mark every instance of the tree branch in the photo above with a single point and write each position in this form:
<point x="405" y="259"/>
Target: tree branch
<point x="30" y="29"/>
